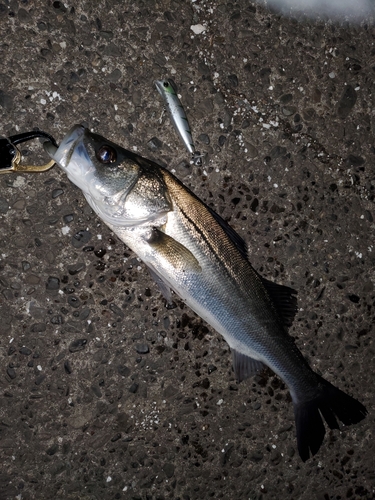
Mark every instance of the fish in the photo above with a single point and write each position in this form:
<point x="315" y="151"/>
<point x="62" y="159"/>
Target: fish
<point x="190" y="250"/>
<point x="167" y="90"/>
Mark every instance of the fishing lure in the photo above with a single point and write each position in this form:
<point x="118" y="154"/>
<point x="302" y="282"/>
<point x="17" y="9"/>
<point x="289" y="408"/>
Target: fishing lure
<point x="168" y="91"/>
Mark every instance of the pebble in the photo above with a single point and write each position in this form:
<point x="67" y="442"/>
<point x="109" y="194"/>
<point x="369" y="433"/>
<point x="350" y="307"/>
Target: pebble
<point x="38" y="327"/>
<point x="77" y="345"/>
<point x="59" y="6"/>
<point x="115" y="75"/>
<point x="112" y="50"/>
<point x="68" y="218"/>
<point x="154" y="144"/>
<point x="36" y="311"/>
<point x="4" y="205"/>
<point x="204" y="139"/>
<point x="290" y="451"/>
<point x="7" y="294"/>
<point x="6" y="101"/>
<point x="116" y="310"/>
<point x="347" y="102"/>
<point x="278" y="151"/>
<point x="226" y="452"/>
<point x="25" y="351"/>
<point x="40" y="379"/>
<point x="198" y="28"/>
<point x="11" y="372"/>
<point x="183" y="169"/>
<point x="19" y="204"/>
<point x="250" y="150"/>
<point x="170" y="391"/>
<point x="355" y="161"/>
<point x="96" y="390"/>
<point x="51" y="220"/>
<point x="81" y="238"/>
<point x="57" y="192"/>
<point x="3" y="281"/>
<point x="108" y="35"/>
<point x="53" y="283"/>
<point x="142" y="348"/>
<point x="309" y="114"/>
<point x="286" y="98"/>
<point x="76" y="268"/>
<point x="74" y="301"/>
<point x="123" y="370"/>
<point x="288" y="110"/>
<point x="169" y="468"/>
<point x="233" y="80"/>
<point x="84" y="314"/>
<point x="25" y="265"/>
<point x="68" y="367"/>
<point x="57" y="320"/>
<point x="256" y="456"/>
<point x="134" y="387"/>
<point x="222" y="140"/>
<point x="52" y="449"/>
<point x="32" y="279"/>
<point x="100" y="253"/>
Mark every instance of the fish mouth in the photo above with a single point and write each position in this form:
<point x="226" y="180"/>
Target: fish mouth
<point x="72" y="155"/>
<point x="63" y="154"/>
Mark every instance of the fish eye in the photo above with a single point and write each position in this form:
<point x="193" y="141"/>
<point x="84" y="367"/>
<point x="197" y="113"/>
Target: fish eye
<point x="166" y="84"/>
<point x="106" y="154"/>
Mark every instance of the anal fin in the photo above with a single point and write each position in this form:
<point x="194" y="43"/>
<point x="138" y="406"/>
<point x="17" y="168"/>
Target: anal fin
<point x="244" y="366"/>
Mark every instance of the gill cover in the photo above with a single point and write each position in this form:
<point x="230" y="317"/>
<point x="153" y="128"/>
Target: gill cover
<point x="123" y="188"/>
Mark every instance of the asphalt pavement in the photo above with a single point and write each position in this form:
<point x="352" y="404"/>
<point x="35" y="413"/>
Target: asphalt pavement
<point x="104" y="392"/>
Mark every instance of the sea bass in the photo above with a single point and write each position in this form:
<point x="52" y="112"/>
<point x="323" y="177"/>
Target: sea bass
<point x="191" y="250"/>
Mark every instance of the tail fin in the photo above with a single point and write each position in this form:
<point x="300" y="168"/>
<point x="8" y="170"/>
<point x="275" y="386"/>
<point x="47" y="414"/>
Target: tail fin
<point x="329" y="404"/>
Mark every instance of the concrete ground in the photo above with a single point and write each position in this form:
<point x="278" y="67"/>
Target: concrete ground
<point x="107" y="394"/>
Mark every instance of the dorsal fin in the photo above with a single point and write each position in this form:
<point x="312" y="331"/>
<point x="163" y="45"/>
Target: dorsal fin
<point x="283" y="297"/>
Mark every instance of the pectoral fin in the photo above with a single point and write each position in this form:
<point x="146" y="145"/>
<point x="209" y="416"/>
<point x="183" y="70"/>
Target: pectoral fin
<point x="174" y="253"/>
<point x="245" y="366"/>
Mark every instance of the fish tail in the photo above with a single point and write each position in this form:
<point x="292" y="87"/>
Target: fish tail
<point x="329" y="403"/>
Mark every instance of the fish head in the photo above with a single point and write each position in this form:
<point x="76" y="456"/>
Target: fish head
<point x="118" y="185"/>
